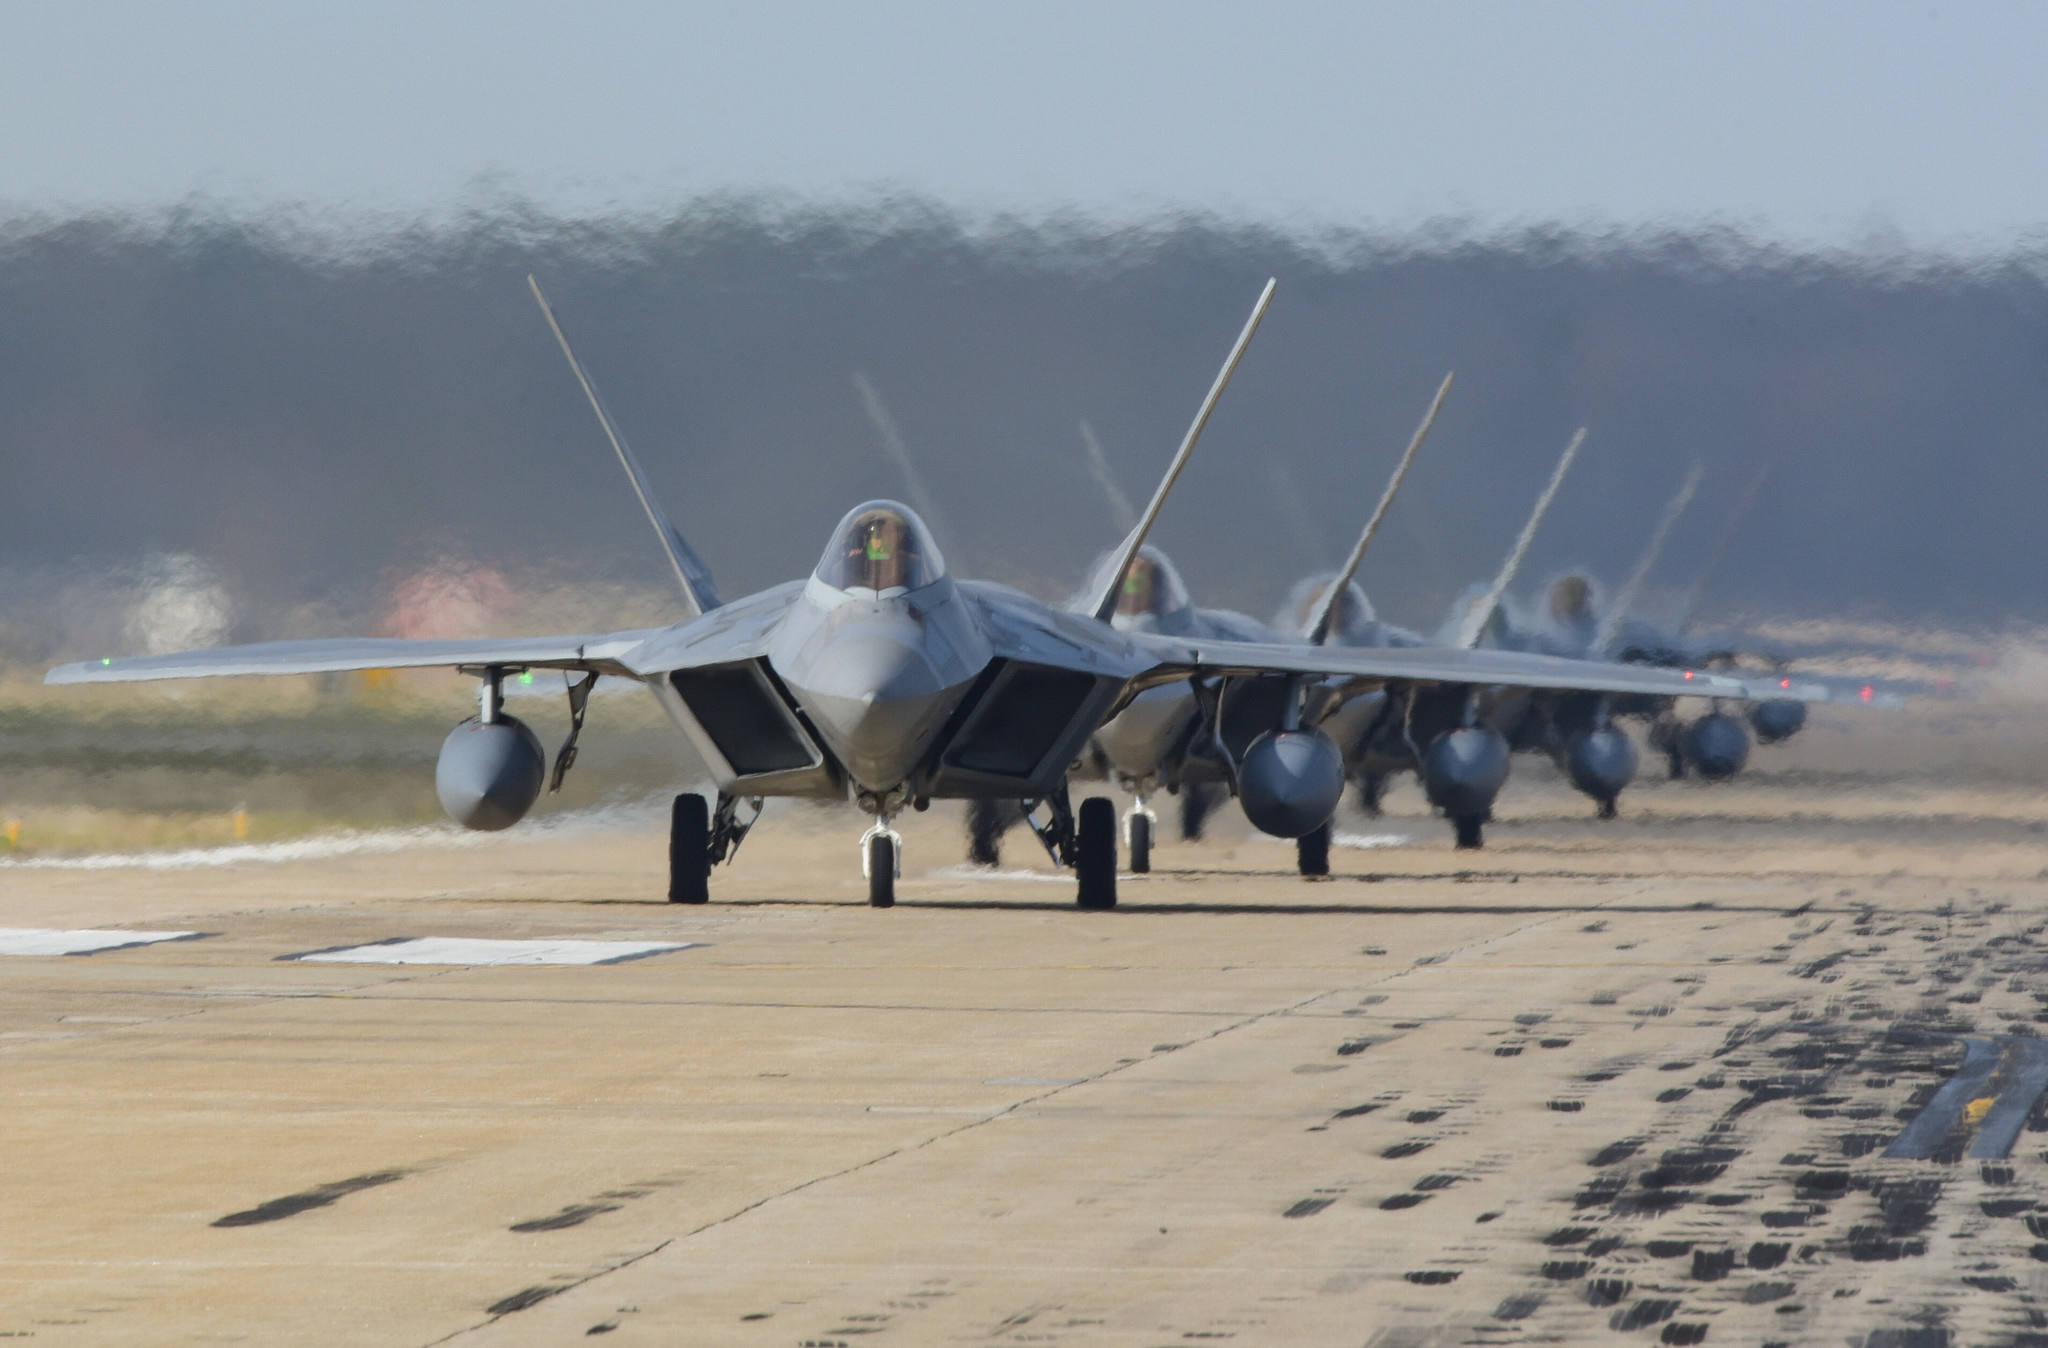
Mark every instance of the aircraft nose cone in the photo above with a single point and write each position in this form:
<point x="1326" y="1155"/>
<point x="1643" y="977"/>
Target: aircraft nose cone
<point x="876" y="699"/>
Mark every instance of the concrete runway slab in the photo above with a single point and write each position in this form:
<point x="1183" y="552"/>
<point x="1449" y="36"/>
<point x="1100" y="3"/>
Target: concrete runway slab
<point x="1627" y="1082"/>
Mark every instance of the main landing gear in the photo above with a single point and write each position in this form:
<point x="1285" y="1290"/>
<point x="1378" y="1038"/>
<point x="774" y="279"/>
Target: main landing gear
<point x="701" y="835"/>
<point x="1086" y="842"/>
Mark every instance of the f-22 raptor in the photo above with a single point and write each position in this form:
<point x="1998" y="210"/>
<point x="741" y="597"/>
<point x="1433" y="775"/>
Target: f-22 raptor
<point x="883" y="680"/>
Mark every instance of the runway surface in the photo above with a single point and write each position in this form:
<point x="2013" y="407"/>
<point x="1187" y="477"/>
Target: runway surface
<point x="1632" y="1082"/>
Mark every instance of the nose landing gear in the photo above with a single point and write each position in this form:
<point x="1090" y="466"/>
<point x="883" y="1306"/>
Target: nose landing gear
<point x="1140" y="826"/>
<point x="881" y="861"/>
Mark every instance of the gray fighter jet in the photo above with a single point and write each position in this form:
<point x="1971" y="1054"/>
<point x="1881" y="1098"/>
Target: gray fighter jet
<point x="1164" y="739"/>
<point x="882" y="679"/>
<point x="1578" y="620"/>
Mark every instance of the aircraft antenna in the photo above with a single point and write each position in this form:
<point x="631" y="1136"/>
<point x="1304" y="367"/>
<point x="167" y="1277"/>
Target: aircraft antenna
<point x="1104" y="604"/>
<point x="1482" y="613"/>
<point x="699" y="595"/>
<point x="1319" y="630"/>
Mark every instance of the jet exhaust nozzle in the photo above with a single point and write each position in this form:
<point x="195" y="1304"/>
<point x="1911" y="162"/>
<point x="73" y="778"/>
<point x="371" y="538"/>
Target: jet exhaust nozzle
<point x="1717" y="745"/>
<point x="1780" y="718"/>
<point x="1290" y="781"/>
<point x="1602" y="762"/>
<point x="1464" y="769"/>
<point x="489" y="776"/>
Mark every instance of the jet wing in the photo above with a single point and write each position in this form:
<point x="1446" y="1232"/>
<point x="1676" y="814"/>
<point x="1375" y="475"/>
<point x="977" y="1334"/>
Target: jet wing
<point x="1436" y="664"/>
<point x="740" y="630"/>
<point x="601" y="652"/>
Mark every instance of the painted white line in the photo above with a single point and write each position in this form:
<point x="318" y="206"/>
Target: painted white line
<point x="45" y="941"/>
<point x="491" y="954"/>
<point x="1365" y="842"/>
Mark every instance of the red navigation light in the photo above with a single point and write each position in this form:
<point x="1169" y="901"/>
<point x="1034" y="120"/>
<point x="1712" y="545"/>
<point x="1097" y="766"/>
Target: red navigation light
<point x="1867" y="694"/>
<point x="1688" y="673"/>
<point x="1784" y="683"/>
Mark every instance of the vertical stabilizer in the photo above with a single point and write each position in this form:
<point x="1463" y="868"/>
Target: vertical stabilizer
<point x="1103" y="603"/>
<point x="699" y="595"/>
<point x="1482" y="613"/>
<point x="1617" y="612"/>
<point x="1319" y="630"/>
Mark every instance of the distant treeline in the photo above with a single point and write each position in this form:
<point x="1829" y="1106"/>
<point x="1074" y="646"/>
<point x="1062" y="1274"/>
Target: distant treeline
<point x="314" y="417"/>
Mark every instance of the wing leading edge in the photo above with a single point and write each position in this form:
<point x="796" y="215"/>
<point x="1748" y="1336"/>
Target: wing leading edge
<point x="601" y="653"/>
<point x="1425" y="664"/>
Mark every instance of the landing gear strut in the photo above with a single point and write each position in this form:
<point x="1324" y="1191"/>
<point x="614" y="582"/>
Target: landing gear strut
<point x="1470" y="831"/>
<point x="881" y="861"/>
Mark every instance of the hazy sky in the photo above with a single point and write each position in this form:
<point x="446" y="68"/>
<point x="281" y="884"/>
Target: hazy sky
<point x="1865" y="123"/>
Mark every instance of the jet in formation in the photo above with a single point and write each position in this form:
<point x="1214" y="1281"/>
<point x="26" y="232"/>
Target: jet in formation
<point x="882" y="679"/>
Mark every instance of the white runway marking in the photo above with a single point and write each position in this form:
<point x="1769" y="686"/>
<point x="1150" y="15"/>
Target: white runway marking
<point x="44" y="941"/>
<point x="491" y="954"/>
<point x="1365" y="842"/>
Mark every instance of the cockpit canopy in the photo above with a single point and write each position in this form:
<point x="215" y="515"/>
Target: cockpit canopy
<point x="1151" y="591"/>
<point x="880" y="550"/>
<point x="1573" y="599"/>
<point x="1353" y="611"/>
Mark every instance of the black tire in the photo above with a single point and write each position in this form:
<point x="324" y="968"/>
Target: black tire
<point x="1141" y="844"/>
<point x="1312" y="852"/>
<point x="689" y="850"/>
<point x="1095" y="864"/>
<point x="1470" y="834"/>
<point x="1371" y="790"/>
<point x="987" y="822"/>
<point x="881" y="871"/>
<point x="1195" y="804"/>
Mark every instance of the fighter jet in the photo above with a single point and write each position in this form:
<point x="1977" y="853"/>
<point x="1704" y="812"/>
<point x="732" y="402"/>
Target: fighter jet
<point x="883" y="680"/>
<point x="1578" y="620"/>
<point x="1164" y="739"/>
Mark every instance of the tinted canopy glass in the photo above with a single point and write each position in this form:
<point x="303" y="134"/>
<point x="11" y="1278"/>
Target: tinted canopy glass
<point x="881" y="548"/>
<point x="1151" y="589"/>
